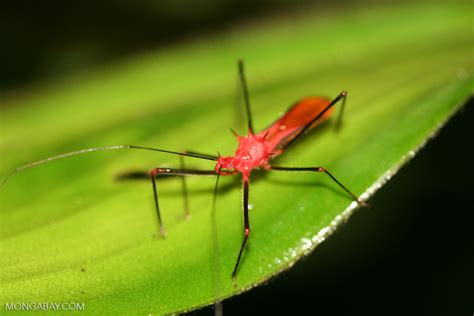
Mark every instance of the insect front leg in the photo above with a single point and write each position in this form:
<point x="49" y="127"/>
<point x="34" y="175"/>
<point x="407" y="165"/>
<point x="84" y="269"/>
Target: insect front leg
<point x="323" y="170"/>
<point x="168" y="171"/>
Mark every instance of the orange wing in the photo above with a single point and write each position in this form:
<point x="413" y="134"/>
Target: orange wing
<point x="298" y="116"/>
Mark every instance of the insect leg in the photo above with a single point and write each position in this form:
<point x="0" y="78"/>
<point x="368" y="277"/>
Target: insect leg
<point x="341" y="96"/>
<point x="246" y="225"/>
<point x="341" y="112"/>
<point x="245" y="90"/>
<point x="168" y="171"/>
<point x="324" y="170"/>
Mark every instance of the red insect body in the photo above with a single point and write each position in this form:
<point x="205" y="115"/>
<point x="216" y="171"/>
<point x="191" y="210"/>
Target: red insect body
<point x="254" y="151"/>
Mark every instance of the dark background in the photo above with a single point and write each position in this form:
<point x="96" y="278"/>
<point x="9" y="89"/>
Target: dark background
<point x="412" y="254"/>
<point x="46" y="39"/>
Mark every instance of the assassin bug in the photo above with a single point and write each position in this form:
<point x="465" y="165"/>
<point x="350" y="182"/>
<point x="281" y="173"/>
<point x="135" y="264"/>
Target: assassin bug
<point x="255" y="151"/>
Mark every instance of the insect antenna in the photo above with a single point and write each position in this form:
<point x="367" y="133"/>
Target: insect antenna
<point x="201" y="155"/>
<point x="88" y="150"/>
<point x="243" y="82"/>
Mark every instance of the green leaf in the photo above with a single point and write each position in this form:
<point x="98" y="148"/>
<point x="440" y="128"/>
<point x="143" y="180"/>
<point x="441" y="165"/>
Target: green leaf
<point x="71" y="233"/>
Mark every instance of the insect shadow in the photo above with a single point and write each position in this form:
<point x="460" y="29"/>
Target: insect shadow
<point x="140" y="175"/>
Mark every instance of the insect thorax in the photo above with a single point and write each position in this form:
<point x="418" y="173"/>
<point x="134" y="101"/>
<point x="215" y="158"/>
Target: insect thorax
<point x="253" y="152"/>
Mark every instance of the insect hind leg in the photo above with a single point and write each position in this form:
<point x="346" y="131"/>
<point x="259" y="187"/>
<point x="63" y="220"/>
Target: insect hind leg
<point x="324" y="170"/>
<point x="341" y="112"/>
